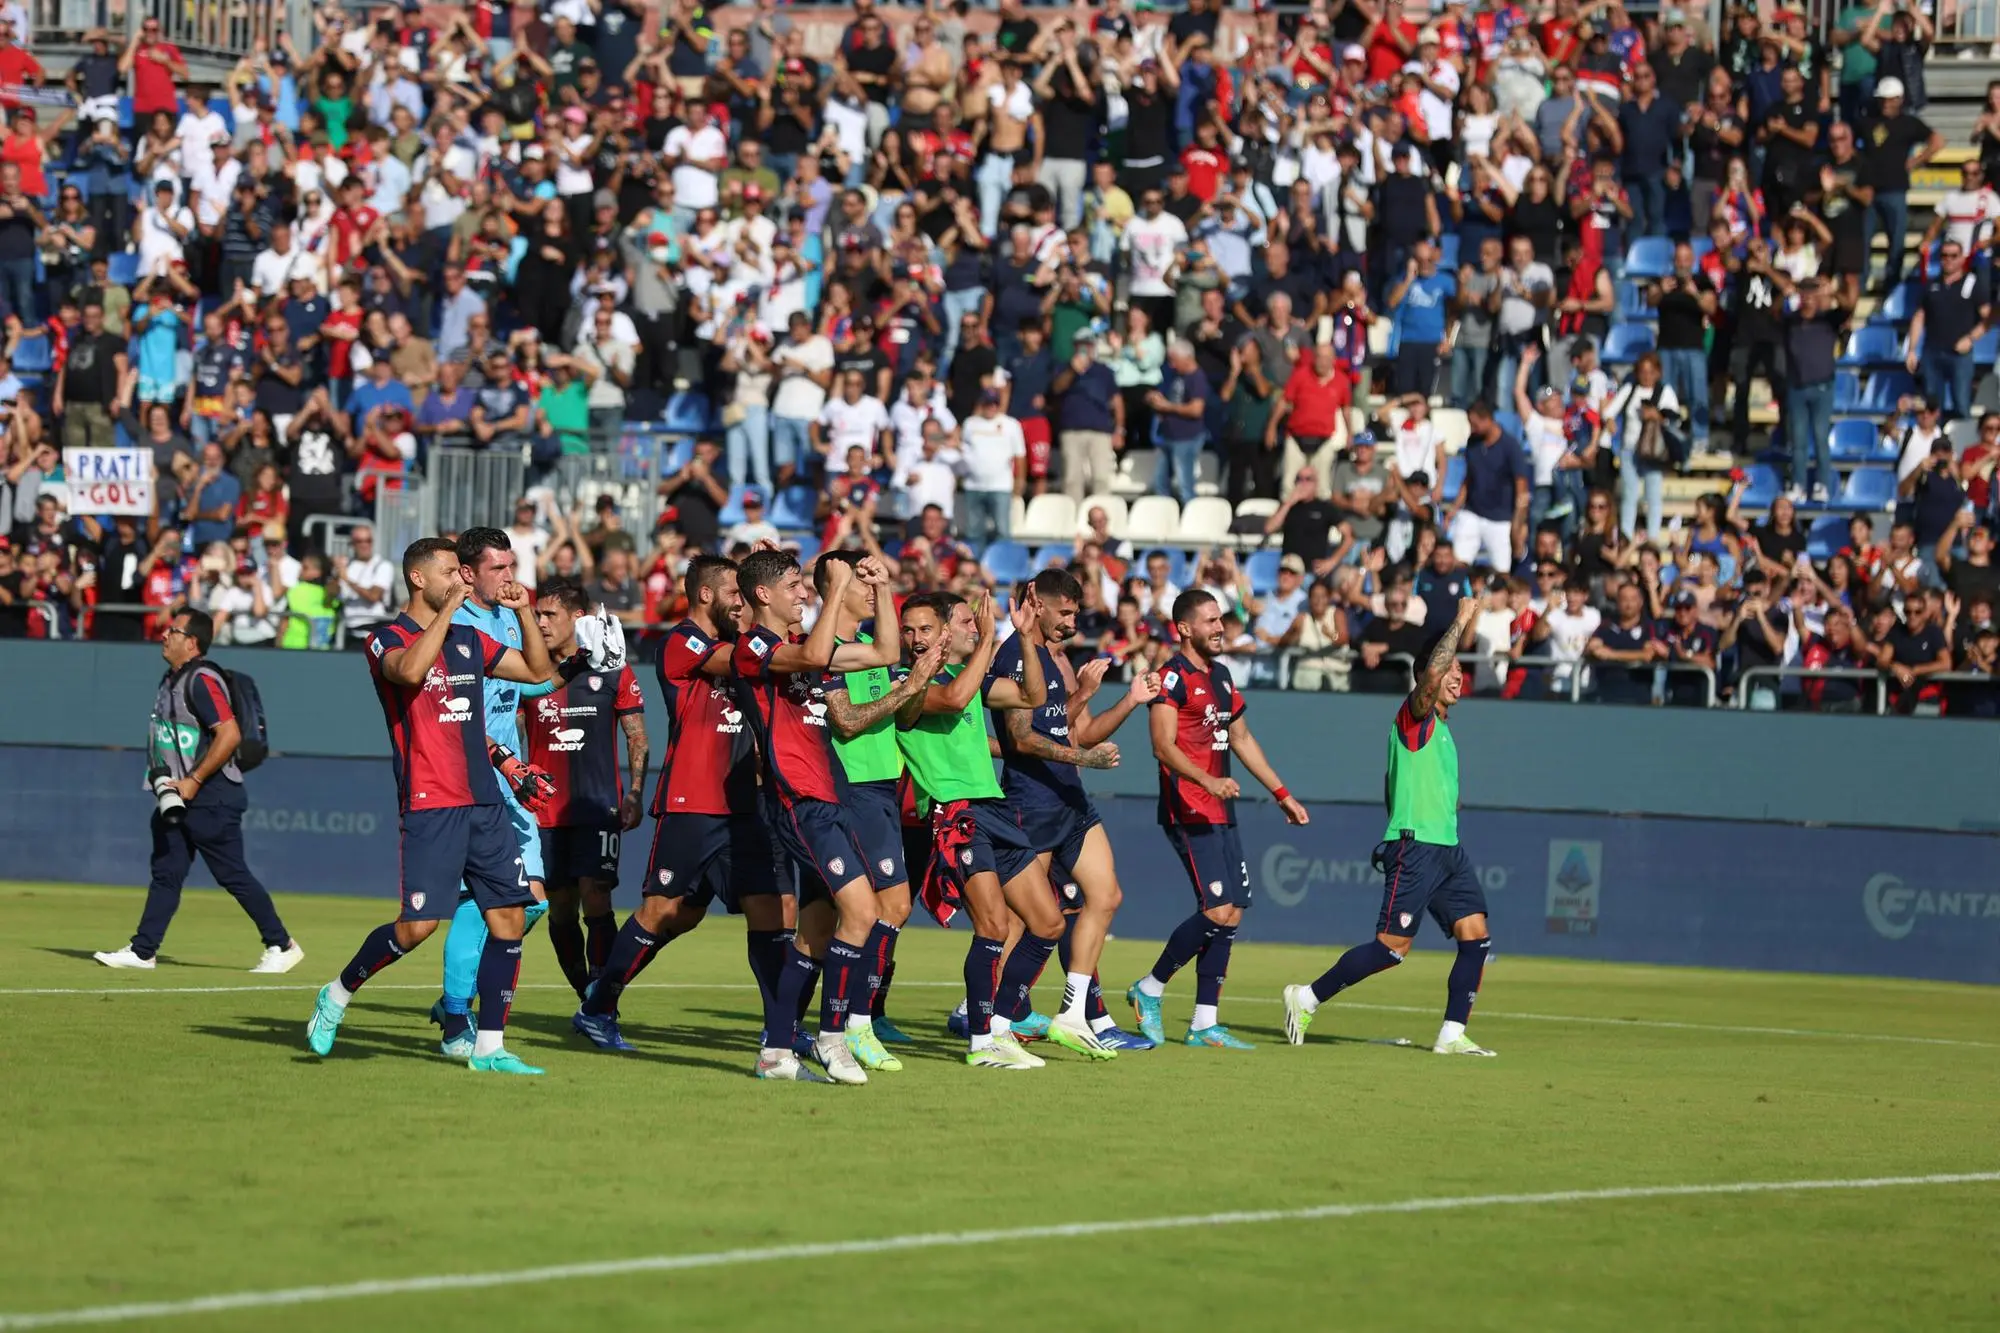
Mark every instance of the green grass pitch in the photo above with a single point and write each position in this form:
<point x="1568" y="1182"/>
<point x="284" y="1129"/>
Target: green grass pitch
<point x="169" y="1147"/>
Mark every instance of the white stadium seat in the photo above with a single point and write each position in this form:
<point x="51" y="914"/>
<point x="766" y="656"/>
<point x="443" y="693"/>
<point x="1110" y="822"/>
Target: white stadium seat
<point x="1155" y="521"/>
<point x="1205" y="521"/>
<point x="1135" y="473"/>
<point x="1114" y="513"/>
<point x="1051" y="518"/>
<point x="1208" y="473"/>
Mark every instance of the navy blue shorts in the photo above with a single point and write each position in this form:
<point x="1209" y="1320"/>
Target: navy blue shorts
<point x="1213" y="855"/>
<point x="469" y="844"/>
<point x="709" y="857"/>
<point x="1423" y="877"/>
<point x="976" y="837"/>
<point x="1060" y="831"/>
<point x="875" y="813"/>
<point x="818" y="838"/>
<point x="573" y="854"/>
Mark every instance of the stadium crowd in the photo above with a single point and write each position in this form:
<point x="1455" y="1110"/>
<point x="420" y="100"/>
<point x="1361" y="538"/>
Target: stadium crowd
<point x="1428" y="306"/>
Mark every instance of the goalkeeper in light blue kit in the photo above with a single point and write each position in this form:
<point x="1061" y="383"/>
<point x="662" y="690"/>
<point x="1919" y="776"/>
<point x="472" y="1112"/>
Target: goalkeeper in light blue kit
<point x="487" y="562"/>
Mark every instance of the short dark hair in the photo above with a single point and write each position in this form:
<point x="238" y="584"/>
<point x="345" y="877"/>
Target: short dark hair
<point x="201" y="628"/>
<point x="704" y="571"/>
<point x="1190" y="602"/>
<point x="1057" y="584"/>
<point x="421" y="550"/>
<point x="566" y="593"/>
<point x="476" y="542"/>
<point x="823" y="567"/>
<point x="762" y="569"/>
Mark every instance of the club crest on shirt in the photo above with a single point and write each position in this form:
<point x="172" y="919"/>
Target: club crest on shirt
<point x="838" y="865"/>
<point x="417" y="902"/>
<point x="464" y="651"/>
<point x="597" y="682"/>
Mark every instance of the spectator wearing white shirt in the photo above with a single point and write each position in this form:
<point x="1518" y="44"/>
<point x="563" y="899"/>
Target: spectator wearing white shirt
<point x="200" y="131"/>
<point x="854" y="418"/>
<point x="697" y="152"/>
<point x="923" y="400"/>
<point x="244" y="608"/>
<point x="1564" y="631"/>
<point x="164" y="229"/>
<point x="928" y="475"/>
<point x="804" y="367"/>
<point x="367" y="585"/>
<point x="529" y="541"/>
<point x="993" y="456"/>
<point x="271" y="271"/>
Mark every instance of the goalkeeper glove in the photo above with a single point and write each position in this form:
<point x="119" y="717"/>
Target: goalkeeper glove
<point x="535" y="789"/>
<point x="601" y="638"/>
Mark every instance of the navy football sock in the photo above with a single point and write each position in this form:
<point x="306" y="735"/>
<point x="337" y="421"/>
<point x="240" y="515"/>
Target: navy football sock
<point x="630" y="952"/>
<point x="1018" y="978"/>
<point x="376" y="952"/>
<point x="566" y="938"/>
<point x="1463" y="987"/>
<point x="1213" y="965"/>
<point x="1182" y="946"/>
<point x="499" y="971"/>
<point x="1357" y="964"/>
<point x="879" y="1006"/>
<point x="1093" y="1003"/>
<point x="599" y="932"/>
<point x="767" y="959"/>
<point x="982" y="981"/>
<point x="1062" y="945"/>
<point x="844" y="971"/>
<point x="878" y="954"/>
<point x="795" y="982"/>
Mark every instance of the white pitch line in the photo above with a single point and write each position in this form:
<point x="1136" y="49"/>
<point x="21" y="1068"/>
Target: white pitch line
<point x="669" y="1263"/>
<point x="1490" y="1015"/>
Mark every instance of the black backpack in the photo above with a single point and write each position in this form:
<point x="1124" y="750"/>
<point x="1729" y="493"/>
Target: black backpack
<point x="248" y="705"/>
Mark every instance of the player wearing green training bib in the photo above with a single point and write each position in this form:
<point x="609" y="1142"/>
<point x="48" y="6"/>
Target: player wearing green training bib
<point x="861" y="713"/>
<point x="1424" y="869"/>
<point x="979" y="856"/>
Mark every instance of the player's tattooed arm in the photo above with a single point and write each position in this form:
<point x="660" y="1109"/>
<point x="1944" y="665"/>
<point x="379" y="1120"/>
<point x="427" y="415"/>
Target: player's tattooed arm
<point x="850" y="719"/>
<point x="634" y="727"/>
<point x="1024" y="741"/>
<point x="1443" y="659"/>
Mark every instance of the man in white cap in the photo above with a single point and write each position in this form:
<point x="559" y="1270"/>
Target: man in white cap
<point x="1895" y="143"/>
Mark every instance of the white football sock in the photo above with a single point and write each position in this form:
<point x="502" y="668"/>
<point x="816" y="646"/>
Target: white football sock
<point x="981" y="1040"/>
<point x="1103" y="1023"/>
<point x="860" y="1022"/>
<point x="1450" y="1032"/>
<point x="1076" y="989"/>
<point x="1307" y="1000"/>
<point x="1150" y="985"/>
<point x="487" y="1042"/>
<point x="1001" y="1027"/>
<point x="1204" y="1017"/>
<point x="338" y="993"/>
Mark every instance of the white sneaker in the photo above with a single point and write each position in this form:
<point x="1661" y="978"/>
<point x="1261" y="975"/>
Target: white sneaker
<point x="125" y="958"/>
<point x="841" y="1066"/>
<point x="1461" y="1045"/>
<point x="1819" y="495"/>
<point x="1010" y="1046"/>
<point x="277" y="960"/>
<point x="782" y="1065"/>
<point x="1796" y="494"/>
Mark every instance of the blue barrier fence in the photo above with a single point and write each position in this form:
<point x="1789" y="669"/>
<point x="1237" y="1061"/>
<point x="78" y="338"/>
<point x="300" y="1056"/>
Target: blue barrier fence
<point x="1677" y="891"/>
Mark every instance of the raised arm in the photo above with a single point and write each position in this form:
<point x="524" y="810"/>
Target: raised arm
<point x="1032" y="691"/>
<point x="1443" y="659"/>
<point x="850" y="719"/>
<point x="1087" y="728"/>
<point x="409" y="665"/>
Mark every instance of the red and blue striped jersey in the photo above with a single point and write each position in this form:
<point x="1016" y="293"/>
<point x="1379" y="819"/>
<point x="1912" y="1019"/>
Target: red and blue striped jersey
<point x="437" y="730"/>
<point x="709" y="768"/>
<point x="573" y="737"/>
<point x="788" y="709"/>
<point x="1204" y="704"/>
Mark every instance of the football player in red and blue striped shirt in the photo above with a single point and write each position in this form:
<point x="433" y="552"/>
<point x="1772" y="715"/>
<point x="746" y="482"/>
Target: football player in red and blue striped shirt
<point x="430" y="677"/>
<point x="572" y="735"/>
<point x="1197" y="724"/>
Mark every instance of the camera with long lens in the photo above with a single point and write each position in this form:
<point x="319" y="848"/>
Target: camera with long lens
<point x="167" y="798"/>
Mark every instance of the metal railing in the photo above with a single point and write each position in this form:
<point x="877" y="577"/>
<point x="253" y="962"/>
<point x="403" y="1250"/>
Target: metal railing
<point x="475" y="487"/>
<point x="221" y="29"/>
<point x="1781" y="674"/>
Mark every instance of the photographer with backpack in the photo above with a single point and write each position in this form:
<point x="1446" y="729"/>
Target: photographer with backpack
<point x="207" y="728"/>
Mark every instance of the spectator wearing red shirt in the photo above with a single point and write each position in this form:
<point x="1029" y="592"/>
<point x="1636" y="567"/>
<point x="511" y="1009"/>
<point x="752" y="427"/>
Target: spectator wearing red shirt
<point x="1975" y="465"/>
<point x="1390" y="39"/>
<point x="1838" y="647"/>
<point x="1308" y="411"/>
<point x="17" y="67"/>
<point x="1206" y="163"/>
<point x="352" y="222"/>
<point x="155" y="67"/>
